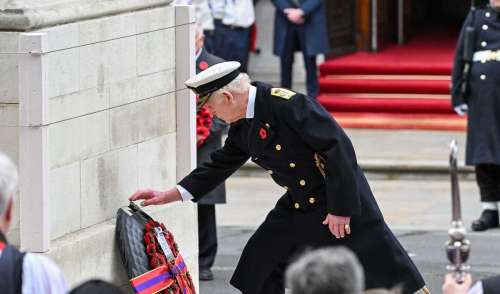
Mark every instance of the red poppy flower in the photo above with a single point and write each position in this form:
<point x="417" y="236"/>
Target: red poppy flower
<point x="203" y="65"/>
<point x="263" y="133"/>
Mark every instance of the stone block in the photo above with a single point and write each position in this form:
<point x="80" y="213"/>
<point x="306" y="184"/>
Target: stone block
<point x="62" y="72"/>
<point x="107" y="182"/>
<point x="142" y="120"/>
<point x="9" y="114"/>
<point x="157" y="164"/>
<point x="107" y="28"/>
<point x="156" y="51"/>
<point x="72" y="140"/>
<point x="9" y="142"/>
<point x="61" y="37"/>
<point x="9" y="89"/>
<point x="155" y="19"/>
<point x="97" y="255"/>
<point x="64" y="200"/>
<point x="121" y="93"/>
<point x="77" y="104"/>
<point x="107" y="62"/>
<point x="155" y="84"/>
<point x="9" y="42"/>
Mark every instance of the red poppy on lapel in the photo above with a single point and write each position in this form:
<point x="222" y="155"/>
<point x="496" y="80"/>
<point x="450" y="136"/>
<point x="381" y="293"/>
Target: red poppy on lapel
<point x="263" y="133"/>
<point x="203" y="65"/>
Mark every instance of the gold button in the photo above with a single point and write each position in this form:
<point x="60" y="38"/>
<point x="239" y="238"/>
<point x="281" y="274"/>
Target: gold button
<point x="482" y="77"/>
<point x="312" y="200"/>
<point x="484" y="44"/>
<point x="488" y="14"/>
<point x="268" y="125"/>
<point x="302" y="182"/>
<point x="278" y="147"/>
<point x="485" y="27"/>
<point x="270" y="172"/>
<point x="292" y="165"/>
<point x="296" y="205"/>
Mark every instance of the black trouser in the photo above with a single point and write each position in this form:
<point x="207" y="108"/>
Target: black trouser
<point x="207" y="234"/>
<point x="296" y="41"/>
<point x="488" y="180"/>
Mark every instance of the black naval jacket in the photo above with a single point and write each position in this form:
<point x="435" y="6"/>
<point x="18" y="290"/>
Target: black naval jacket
<point x="306" y="152"/>
<point x="483" y="129"/>
<point x="213" y="141"/>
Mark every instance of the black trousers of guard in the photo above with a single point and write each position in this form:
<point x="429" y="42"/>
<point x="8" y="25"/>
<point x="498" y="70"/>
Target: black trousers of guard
<point x="207" y="235"/>
<point x="488" y="180"/>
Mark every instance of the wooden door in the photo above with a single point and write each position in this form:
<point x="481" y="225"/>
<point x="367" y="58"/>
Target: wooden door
<point x="340" y="16"/>
<point x="386" y="27"/>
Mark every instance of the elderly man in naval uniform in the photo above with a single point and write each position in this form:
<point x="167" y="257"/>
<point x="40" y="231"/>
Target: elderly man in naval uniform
<point x="327" y="199"/>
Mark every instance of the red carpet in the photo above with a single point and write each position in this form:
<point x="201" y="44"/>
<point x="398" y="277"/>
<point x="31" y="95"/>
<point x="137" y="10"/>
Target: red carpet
<point x="401" y="87"/>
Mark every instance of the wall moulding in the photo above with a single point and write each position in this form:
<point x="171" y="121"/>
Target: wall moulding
<point x="27" y="15"/>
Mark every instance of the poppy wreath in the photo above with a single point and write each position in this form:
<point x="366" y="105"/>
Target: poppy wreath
<point x="203" y="125"/>
<point x="180" y="279"/>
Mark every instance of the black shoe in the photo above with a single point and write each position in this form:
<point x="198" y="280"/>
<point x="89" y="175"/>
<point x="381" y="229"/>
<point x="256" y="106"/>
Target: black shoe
<point x="206" y="274"/>
<point x="487" y="220"/>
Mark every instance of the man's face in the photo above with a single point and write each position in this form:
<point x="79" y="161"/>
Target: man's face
<point x="495" y="4"/>
<point x="223" y="107"/>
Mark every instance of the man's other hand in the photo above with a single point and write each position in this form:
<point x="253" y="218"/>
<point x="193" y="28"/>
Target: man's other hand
<point x="339" y="225"/>
<point x="152" y="197"/>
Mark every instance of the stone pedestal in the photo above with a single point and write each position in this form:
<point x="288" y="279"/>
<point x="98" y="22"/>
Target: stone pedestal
<point x="93" y="107"/>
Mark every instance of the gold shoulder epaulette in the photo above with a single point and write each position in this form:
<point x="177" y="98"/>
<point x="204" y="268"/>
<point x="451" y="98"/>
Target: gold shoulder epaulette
<point x="282" y="93"/>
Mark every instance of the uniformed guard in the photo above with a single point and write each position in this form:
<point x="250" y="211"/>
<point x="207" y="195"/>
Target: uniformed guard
<point x="209" y="137"/>
<point x="327" y="200"/>
<point x="478" y="94"/>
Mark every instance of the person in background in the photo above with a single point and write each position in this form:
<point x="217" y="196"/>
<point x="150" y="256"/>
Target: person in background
<point x="483" y="108"/>
<point x="209" y="131"/>
<point x="22" y="272"/>
<point x="233" y="21"/>
<point x="300" y="25"/>
<point x="325" y="271"/>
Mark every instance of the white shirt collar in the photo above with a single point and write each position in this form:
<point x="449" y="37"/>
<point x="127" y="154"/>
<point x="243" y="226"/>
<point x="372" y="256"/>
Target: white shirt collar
<point x="252" y="92"/>
<point x="198" y="53"/>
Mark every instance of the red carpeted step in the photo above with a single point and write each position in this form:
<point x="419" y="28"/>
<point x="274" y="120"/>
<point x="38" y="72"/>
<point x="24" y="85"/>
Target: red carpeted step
<point x="390" y="105"/>
<point x="335" y="67"/>
<point x="384" y="86"/>
<point x="450" y="122"/>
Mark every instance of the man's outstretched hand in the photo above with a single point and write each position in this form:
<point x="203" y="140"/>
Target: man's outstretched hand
<point x="152" y="197"/>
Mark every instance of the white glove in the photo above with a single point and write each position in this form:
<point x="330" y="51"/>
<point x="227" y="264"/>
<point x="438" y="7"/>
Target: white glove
<point x="461" y="109"/>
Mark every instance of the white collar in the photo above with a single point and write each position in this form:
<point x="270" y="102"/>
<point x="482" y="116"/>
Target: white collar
<point x="252" y="92"/>
<point x="198" y="53"/>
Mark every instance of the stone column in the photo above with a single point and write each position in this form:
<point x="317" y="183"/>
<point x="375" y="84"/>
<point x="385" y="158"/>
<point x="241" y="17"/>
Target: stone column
<point x="92" y="107"/>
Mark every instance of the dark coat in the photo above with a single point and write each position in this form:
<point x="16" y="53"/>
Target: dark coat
<point x="315" y="26"/>
<point x="491" y="285"/>
<point x="483" y="129"/>
<point x="213" y="141"/>
<point x="286" y="136"/>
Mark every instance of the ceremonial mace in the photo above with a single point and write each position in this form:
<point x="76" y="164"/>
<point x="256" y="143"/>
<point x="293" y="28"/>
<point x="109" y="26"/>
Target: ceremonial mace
<point x="458" y="247"/>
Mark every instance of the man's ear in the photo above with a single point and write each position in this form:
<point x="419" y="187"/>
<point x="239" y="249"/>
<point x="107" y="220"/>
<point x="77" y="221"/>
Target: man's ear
<point x="228" y="97"/>
<point x="10" y="210"/>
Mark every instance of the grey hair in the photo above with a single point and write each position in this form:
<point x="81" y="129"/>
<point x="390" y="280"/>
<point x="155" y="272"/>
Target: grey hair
<point x="239" y="85"/>
<point x="8" y="181"/>
<point x="325" y="271"/>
